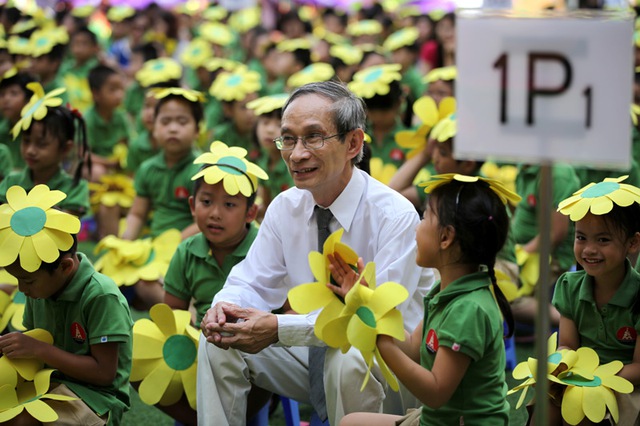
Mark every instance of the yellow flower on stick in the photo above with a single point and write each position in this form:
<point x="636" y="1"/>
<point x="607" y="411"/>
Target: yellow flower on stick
<point x="368" y="312"/>
<point x="599" y="198"/>
<point x="29" y="396"/>
<point x="37" y="107"/>
<point x="12" y="368"/>
<point x="32" y="230"/>
<point x="165" y="352"/>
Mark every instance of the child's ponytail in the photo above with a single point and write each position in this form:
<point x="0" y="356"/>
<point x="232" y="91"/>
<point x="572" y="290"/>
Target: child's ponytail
<point x="503" y="303"/>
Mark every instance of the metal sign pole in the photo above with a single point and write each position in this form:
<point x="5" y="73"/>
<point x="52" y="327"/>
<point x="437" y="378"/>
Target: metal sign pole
<point x="542" y="294"/>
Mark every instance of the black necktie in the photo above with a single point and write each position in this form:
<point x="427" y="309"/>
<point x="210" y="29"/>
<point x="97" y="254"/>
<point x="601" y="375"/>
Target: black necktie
<point x="316" y="353"/>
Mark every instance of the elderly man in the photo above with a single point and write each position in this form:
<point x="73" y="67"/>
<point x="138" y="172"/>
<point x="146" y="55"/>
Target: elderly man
<point x="243" y="342"/>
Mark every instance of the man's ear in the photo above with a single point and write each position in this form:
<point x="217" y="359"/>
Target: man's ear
<point x="355" y="140"/>
<point x="447" y="236"/>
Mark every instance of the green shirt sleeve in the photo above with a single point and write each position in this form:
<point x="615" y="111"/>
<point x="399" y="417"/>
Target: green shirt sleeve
<point x="175" y="282"/>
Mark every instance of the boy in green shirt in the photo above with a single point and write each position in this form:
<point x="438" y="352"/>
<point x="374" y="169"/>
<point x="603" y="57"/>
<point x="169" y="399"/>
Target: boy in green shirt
<point x="82" y="309"/>
<point x="14" y="95"/>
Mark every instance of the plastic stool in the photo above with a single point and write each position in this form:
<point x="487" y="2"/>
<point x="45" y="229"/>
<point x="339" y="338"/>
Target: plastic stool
<point x="262" y="417"/>
<point x="510" y="352"/>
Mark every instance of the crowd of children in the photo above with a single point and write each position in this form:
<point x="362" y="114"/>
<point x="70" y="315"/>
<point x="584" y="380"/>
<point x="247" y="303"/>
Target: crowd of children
<point x="126" y="100"/>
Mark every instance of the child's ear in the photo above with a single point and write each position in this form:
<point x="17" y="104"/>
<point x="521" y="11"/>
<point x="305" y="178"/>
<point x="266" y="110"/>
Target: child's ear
<point x="67" y="264"/>
<point x="252" y="213"/>
<point x="227" y="109"/>
<point x="447" y="236"/>
<point x="68" y="145"/>
<point x="192" y="205"/>
<point x="634" y="243"/>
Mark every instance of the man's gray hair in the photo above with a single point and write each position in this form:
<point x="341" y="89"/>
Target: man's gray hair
<point x="348" y="110"/>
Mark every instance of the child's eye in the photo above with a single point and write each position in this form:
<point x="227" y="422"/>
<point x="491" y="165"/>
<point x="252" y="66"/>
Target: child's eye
<point x="580" y="238"/>
<point x="206" y="202"/>
<point x="230" y="205"/>
<point x="603" y="240"/>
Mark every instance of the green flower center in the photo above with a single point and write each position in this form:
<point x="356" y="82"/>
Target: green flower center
<point x="179" y="352"/>
<point x="555" y="358"/>
<point x="576" y="380"/>
<point x="373" y="76"/>
<point x="41" y="42"/>
<point x="28" y="221"/>
<point x="600" y="189"/>
<point x="366" y="315"/>
<point x="157" y="67"/>
<point x="234" y="80"/>
<point x="232" y="165"/>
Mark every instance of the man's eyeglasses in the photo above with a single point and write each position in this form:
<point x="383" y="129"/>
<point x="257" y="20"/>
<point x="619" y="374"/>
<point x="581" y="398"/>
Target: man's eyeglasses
<point x="312" y="141"/>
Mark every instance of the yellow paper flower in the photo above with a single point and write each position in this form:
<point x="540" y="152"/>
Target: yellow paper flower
<point x="229" y="165"/>
<point x="235" y="85"/>
<point x="37" y="107"/>
<point x="497" y="187"/>
<point x="430" y="114"/>
<point x="78" y="90"/>
<point x="401" y="38"/>
<point x="445" y="129"/>
<point x="11" y="72"/>
<point x="29" y="396"/>
<point x="120" y="13"/>
<point x="364" y="27"/>
<point x="19" y="45"/>
<point x="158" y="70"/>
<point x="165" y="358"/>
<point x="42" y="41"/>
<point x="294" y="44"/>
<point x="13" y="368"/>
<point x="367" y="313"/>
<point x="267" y="104"/>
<point x="31" y="230"/>
<point x="347" y="53"/>
<point x="83" y="11"/>
<point x="309" y="297"/>
<point x="215" y="13"/>
<point x="216" y="33"/>
<point x="381" y="171"/>
<point x="197" y="53"/>
<point x="22" y="26"/>
<point x="12" y="309"/>
<point x="319" y="31"/>
<point x="188" y="94"/>
<point x="215" y="64"/>
<point x="113" y="190"/>
<point x="245" y="19"/>
<point x="313" y="73"/>
<point x="599" y="198"/>
<point x="635" y="110"/>
<point x="445" y="74"/>
<point x="127" y="262"/>
<point x="375" y="80"/>
<point x="505" y="173"/>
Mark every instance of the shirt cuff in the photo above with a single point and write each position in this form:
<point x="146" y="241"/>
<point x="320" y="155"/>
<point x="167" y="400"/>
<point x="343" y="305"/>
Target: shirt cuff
<point x="297" y="330"/>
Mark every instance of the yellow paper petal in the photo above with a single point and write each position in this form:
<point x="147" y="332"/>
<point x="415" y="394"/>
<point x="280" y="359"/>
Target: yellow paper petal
<point x="571" y="409"/>
<point x="141" y="368"/>
<point x="593" y="404"/>
<point x="29" y="260"/>
<point x="386" y="372"/>
<point x="174" y="390"/>
<point x="323" y="331"/>
<point x="154" y="385"/>
<point x="162" y="315"/>
<point x="387" y="296"/>
<point x="189" y="381"/>
<point x="611" y="403"/>
<point x="41" y="411"/>
<point x="617" y="383"/>
<point x="63" y="222"/>
<point x="361" y="336"/>
<point x="391" y="325"/>
<point x="45" y="247"/>
<point x="306" y="298"/>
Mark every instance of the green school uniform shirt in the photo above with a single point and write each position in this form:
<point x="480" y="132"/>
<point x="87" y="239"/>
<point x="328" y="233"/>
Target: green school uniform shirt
<point x="389" y="151"/>
<point x="524" y="225"/>
<point x="6" y="138"/>
<point x="227" y="133"/>
<point x="213" y="115"/>
<point x="168" y="190"/>
<point x="56" y="83"/>
<point x="587" y="175"/>
<point x="6" y="165"/>
<point x="77" y="200"/>
<point x="279" y="177"/>
<point x="194" y="273"/>
<point x="412" y="79"/>
<point x="466" y="318"/>
<point x="91" y="310"/>
<point x="612" y="330"/>
<point x="140" y="150"/>
<point x="133" y="103"/>
<point x="104" y="135"/>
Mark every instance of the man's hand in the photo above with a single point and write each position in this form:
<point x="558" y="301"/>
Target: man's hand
<point x="229" y="326"/>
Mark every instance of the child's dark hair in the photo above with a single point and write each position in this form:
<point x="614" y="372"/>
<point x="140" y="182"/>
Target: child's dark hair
<point x="51" y="267"/>
<point x="86" y="30"/>
<point x="21" y="79"/>
<point x="196" y="107"/>
<point x="98" y="75"/>
<point x="479" y="163"/>
<point x="197" y="184"/>
<point x="56" y="53"/>
<point x="66" y="124"/>
<point x="302" y="57"/>
<point x="481" y="226"/>
<point x="147" y="50"/>
<point x="392" y="100"/>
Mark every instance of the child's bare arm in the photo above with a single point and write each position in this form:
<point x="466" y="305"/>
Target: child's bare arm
<point x="175" y="302"/>
<point x="569" y="336"/>
<point x="631" y="371"/>
<point x="136" y="217"/>
<point x="98" y="368"/>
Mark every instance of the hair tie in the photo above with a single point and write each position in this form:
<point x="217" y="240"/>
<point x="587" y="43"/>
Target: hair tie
<point x="74" y="111"/>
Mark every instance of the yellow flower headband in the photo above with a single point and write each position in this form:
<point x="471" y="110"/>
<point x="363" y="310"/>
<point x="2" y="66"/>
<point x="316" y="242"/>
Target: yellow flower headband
<point x="197" y="53"/>
<point x="444" y="73"/>
<point x="214" y="13"/>
<point x="445" y="129"/>
<point x="43" y="41"/>
<point x="322" y="33"/>
<point x="83" y="11"/>
<point x="267" y="104"/>
<point x="159" y="71"/>
<point x="294" y="44"/>
<point x="37" y="107"/>
<point x="500" y="190"/>
<point x="30" y="229"/>
<point x="364" y="27"/>
<point x="311" y="74"/>
<point x="120" y="13"/>
<point x="599" y="198"/>
<point x="22" y="26"/>
<point x="236" y="85"/>
<point x="188" y="94"/>
<point x="245" y="19"/>
<point x="11" y="72"/>
<point x="347" y="53"/>
<point x="229" y="165"/>
<point x="401" y="38"/>
<point x="216" y="33"/>
<point x="19" y="45"/>
<point x="375" y="80"/>
<point x="215" y="64"/>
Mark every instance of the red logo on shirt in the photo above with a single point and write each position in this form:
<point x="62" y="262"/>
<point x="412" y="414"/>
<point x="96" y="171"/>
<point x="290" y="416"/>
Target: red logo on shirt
<point x="627" y="335"/>
<point x="396" y="154"/>
<point x="182" y="192"/>
<point x="531" y="200"/>
<point x="77" y="333"/>
<point x="431" y="341"/>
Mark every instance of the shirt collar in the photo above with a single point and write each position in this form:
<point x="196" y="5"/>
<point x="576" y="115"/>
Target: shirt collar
<point x="200" y="245"/>
<point x="345" y="206"/>
<point x="623" y="297"/>
<point x="466" y="284"/>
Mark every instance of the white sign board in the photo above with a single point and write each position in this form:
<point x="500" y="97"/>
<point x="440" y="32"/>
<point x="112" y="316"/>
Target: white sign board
<point x="545" y="88"/>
